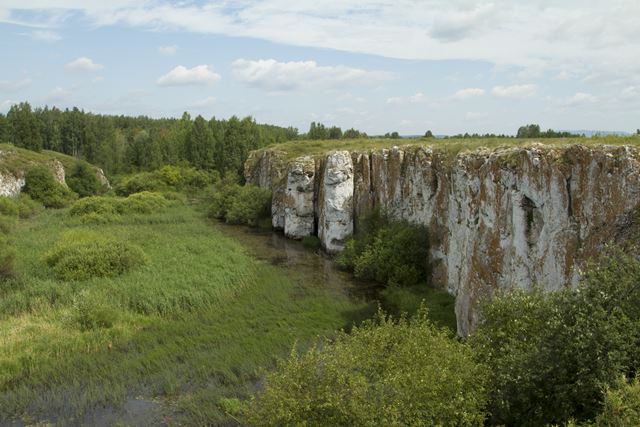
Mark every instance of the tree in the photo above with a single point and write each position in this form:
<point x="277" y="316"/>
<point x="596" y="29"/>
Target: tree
<point x="83" y="180"/>
<point x="352" y="134"/>
<point x="24" y="127"/>
<point x="317" y="131"/>
<point x="552" y="353"/>
<point x="529" y="131"/>
<point x="199" y="144"/>
<point x="385" y="372"/>
<point x="334" y="132"/>
<point x="428" y="134"/>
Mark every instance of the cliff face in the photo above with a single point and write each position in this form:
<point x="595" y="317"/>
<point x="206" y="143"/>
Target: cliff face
<point x="497" y="219"/>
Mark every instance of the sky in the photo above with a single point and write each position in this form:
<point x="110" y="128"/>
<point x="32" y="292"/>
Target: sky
<point x="450" y="66"/>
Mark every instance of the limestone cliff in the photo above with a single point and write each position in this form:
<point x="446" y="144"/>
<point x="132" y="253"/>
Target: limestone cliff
<point x="497" y="218"/>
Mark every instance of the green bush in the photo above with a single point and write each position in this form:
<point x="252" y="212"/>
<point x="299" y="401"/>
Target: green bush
<point x="144" y="181"/>
<point x="7" y="224"/>
<point x="398" y="300"/>
<point x="385" y="372"/>
<point x="392" y="253"/>
<point x="42" y="186"/>
<point x="142" y="203"/>
<point x="90" y="312"/>
<point x="311" y="242"/>
<point x="621" y="406"/>
<point x="83" y="180"/>
<point x="238" y="204"/>
<point x="7" y="255"/>
<point x="95" y="205"/>
<point x="27" y="207"/>
<point x="83" y="255"/>
<point x="553" y="353"/>
<point x="8" y="207"/>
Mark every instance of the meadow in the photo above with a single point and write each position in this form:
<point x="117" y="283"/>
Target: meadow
<point x="189" y="333"/>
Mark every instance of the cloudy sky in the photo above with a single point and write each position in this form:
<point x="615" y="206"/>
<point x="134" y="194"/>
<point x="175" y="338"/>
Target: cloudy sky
<point x="378" y="65"/>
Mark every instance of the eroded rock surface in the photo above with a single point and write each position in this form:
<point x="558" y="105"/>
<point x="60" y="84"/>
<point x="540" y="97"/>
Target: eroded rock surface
<point x="497" y="219"/>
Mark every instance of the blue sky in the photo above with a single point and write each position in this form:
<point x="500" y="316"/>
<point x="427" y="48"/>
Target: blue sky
<point x="379" y="66"/>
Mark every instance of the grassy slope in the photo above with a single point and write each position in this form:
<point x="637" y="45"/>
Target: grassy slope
<point x="16" y="160"/>
<point x="452" y="146"/>
<point x="193" y="326"/>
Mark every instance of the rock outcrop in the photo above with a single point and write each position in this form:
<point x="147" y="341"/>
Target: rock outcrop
<point x="497" y="219"/>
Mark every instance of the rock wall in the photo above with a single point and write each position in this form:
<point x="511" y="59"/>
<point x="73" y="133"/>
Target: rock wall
<point x="497" y="219"/>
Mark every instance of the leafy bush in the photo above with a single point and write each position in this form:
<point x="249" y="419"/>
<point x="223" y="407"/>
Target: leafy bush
<point x="386" y="372"/>
<point x="27" y="207"/>
<point x="81" y="256"/>
<point x="238" y="204"/>
<point x="90" y="313"/>
<point x="142" y="203"/>
<point x="7" y="255"/>
<point x="553" y="353"/>
<point x="621" y="406"/>
<point x="7" y="224"/>
<point x="83" y="180"/>
<point x="8" y="207"/>
<point x="42" y="186"/>
<point x="144" y="181"/>
<point x="392" y="253"/>
<point x="398" y="300"/>
<point x="95" y="205"/>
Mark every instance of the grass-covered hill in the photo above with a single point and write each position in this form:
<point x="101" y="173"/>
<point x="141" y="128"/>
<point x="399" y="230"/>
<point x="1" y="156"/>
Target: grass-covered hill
<point x="17" y="160"/>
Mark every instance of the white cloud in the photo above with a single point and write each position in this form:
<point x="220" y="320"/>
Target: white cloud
<point x="45" y="35"/>
<point x="209" y="101"/>
<point x="468" y="93"/>
<point x="200" y="75"/>
<point x="5" y="105"/>
<point x="168" y="50"/>
<point x="58" y="94"/>
<point x="515" y="91"/>
<point x="580" y="98"/>
<point x="473" y="116"/>
<point x="83" y="64"/>
<point x="15" y="85"/>
<point x="273" y="75"/>
<point x="413" y="99"/>
<point x="631" y="92"/>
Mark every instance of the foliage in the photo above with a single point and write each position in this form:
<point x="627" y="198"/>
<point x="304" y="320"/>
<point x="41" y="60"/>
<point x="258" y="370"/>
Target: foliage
<point x="96" y="205"/>
<point x="83" y="180"/>
<point x="621" y="406"/>
<point x="8" y="207"/>
<point x="167" y="178"/>
<point x="533" y="131"/>
<point x="7" y="224"/>
<point x="388" y="252"/>
<point x="552" y="354"/>
<point x="42" y="186"/>
<point x="398" y="300"/>
<point x="385" y="372"/>
<point x="92" y="312"/>
<point x="84" y="255"/>
<point x="27" y="207"/>
<point x="7" y="256"/>
<point x="142" y="203"/>
<point x="238" y="204"/>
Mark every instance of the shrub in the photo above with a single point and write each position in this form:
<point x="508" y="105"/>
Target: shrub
<point x="552" y="353"/>
<point x="8" y="207"/>
<point x="7" y="224"/>
<point x="392" y="253"/>
<point x="95" y="205"/>
<point x="142" y="203"/>
<point x="42" y="186"/>
<point x="81" y="256"/>
<point x="27" y="207"/>
<point x="90" y="312"/>
<point x="83" y="180"/>
<point x="311" y="242"/>
<point x="138" y="183"/>
<point x="7" y="255"/>
<point x="621" y="405"/>
<point x="249" y="205"/>
<point x="238" y="204"/>
<point x="386" y="372"/>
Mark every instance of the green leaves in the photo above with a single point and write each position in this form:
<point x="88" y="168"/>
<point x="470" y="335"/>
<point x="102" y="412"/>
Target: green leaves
<point x="385" y="372"/>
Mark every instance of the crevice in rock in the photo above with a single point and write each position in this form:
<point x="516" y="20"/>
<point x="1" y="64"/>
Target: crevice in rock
<point x="569" y="198"/>
<point x="533" y="220"/>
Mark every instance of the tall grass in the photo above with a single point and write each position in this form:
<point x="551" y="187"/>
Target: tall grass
<point x="192" y="328"/>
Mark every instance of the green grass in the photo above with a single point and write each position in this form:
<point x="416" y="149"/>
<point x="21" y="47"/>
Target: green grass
<point x="191" y="329"/>
<point x="17" y="160"/>
<point x="451" y="146"/>
<point x="439" y="304"/>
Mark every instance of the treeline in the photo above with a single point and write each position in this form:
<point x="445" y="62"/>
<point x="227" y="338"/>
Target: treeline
<point x="121" y="144"/>
<point x="319" y="131"/>
<point x="533" y="131"/>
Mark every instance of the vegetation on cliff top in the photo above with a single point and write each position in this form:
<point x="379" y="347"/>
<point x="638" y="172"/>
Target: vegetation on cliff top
<point x="450" y="146"/>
